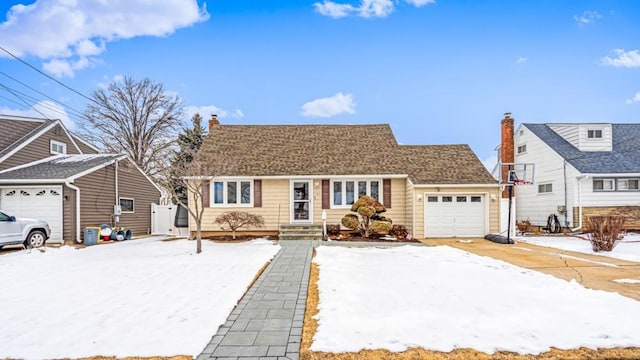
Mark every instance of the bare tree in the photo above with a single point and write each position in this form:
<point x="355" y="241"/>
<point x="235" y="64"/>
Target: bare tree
<point x="134" y="117"/>
<point x="194" y="176"/>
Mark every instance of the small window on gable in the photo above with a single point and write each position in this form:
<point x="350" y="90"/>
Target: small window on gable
<point x="604" y="185"/>
<point x="594" y="134"/>
<point x="127" y="205"/>
<point x="522" y="148"/>
<point x="545" y="188"/>
<point x="57" y="147"/>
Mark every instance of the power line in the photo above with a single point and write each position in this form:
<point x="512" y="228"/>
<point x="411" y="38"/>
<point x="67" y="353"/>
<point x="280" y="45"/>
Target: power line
<point x="41" y="93"/>
<point x="20" y="98"/>
<point x="47" y="75"/>
<point x="36" y="102"/>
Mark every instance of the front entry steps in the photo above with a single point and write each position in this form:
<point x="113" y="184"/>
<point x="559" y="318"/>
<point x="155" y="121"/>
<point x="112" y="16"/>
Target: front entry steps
<point x="300" y="232"/>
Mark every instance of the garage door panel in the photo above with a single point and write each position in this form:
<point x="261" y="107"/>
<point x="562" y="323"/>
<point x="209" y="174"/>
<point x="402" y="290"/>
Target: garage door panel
<point x="454" y="215"/>
<point x="42" y="203"/>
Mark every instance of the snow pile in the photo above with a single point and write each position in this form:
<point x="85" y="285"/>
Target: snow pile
<point x="441" y="298"/>
<point x="135" y="298"/>
<point x="627" y="249"/>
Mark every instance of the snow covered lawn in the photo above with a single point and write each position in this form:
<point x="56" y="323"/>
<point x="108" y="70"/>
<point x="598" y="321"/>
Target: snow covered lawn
<point x="627" y="249"/>
<point x="135" y="298"/>
<point x="441" y="298"/>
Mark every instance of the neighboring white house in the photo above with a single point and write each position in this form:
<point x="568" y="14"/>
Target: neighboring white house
<point x="581" y="170"/>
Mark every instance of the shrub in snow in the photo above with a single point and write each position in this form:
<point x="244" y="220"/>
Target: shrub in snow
<point x="604" y="231"/>
<point x="333" y="230"/>
<point x="368" y="211"/>
<point x="399" y="232"/>
<point x="234" y="220"/>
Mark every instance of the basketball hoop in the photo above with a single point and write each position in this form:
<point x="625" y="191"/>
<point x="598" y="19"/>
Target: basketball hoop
<point x="522" y="182"/>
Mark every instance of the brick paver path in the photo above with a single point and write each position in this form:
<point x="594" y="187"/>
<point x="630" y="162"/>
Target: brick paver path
<point x="267" y="323"/>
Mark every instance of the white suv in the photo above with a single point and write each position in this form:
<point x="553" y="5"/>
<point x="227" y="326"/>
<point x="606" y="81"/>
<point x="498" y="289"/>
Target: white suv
<point x="30" y="232"/>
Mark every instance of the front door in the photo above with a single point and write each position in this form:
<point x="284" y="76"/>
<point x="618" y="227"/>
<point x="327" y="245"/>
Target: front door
<point x="301" y="201"/>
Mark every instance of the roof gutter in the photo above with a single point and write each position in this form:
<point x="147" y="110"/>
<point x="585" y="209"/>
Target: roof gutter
<point x="77" y="190"/>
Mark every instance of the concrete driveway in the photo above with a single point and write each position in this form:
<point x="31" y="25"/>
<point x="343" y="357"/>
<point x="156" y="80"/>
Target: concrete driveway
<point x="592" y="271"/>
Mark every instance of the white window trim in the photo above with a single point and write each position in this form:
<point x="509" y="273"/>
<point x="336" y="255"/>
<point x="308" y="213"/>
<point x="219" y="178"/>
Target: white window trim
<point x="225" y="204"/>
<point x="545" y="192"/>
<point x="133" y="203"/>
<point x="58" y="144"/>
<point x="613" y="183"/>
<point x="595" y="138"/>
<point x="626" y="190"/>
<point x="524" y="151"/>
<point x="355" y="189"/>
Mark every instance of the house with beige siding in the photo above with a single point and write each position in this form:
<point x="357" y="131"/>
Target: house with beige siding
<point x="292" y="174"/>
<point x="50" y="174"/>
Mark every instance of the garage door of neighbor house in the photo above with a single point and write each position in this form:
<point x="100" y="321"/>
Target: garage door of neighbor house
<point x="454" y="215"/>
<point x="42" y="203"/>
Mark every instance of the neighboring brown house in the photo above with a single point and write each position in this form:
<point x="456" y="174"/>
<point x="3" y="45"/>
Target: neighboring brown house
<point x="290" y="174"/>
<point x="50" y="174"/>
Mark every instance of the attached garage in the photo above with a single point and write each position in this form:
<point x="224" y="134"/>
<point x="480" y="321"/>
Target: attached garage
<point x="455" y="215"/>
<point x="37" y="202"/>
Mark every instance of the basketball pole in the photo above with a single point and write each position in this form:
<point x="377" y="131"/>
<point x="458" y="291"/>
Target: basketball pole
<point x="510" y="191"/>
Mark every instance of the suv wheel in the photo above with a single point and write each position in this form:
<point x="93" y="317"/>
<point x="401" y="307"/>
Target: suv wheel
<point x="35" y="239"/>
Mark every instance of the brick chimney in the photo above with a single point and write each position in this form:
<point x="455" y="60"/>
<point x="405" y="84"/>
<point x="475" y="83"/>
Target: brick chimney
<point x="506" y="149"/>
<point x="213" y="121"/>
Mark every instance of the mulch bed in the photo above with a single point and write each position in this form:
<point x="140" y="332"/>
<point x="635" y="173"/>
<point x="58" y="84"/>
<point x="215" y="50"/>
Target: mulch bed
<point x="357" y="237"/>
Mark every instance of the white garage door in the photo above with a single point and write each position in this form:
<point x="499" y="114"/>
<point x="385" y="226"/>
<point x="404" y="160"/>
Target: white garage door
<point x="42" y="203"/>
<point x="454" y="215"/>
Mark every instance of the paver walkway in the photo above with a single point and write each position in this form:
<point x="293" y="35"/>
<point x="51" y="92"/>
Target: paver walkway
<point x="267" y="323"/>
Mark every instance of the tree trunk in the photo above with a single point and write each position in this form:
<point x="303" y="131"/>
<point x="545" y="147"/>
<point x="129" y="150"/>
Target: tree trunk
<point x="233" y="234"/>
<point x="198" y="238"/>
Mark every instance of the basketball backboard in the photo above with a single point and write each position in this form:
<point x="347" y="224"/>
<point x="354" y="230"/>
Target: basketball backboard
<point x="516" y="174"/>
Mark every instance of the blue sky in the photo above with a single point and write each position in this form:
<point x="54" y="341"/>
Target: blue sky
<point x="440" y="72"/>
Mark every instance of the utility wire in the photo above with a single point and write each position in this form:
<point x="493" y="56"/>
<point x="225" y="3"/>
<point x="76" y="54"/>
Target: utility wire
<point x="41" y="93"/>
<point x="48" y="76"/>
<point x="20" y="98"/>
<point x="36" y="101"/>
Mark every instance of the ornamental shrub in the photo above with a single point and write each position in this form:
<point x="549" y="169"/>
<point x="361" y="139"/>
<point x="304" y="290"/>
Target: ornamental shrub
<point x="368" y="211"/>
<point x="381" y="227"/>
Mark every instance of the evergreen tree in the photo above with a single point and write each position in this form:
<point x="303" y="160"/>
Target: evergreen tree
<point x="189" y="141"/>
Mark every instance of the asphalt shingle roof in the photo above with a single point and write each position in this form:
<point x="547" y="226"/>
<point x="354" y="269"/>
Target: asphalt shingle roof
<point x="59" y="167"/>
<point x="624" y="158"/>
<point x="15" y="132"/>
<point x="289" y="150"/>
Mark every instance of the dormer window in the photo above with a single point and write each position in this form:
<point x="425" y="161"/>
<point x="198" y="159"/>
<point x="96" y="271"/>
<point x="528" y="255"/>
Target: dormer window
<point x="594" y="134"/>
<point x="57" y="147"/>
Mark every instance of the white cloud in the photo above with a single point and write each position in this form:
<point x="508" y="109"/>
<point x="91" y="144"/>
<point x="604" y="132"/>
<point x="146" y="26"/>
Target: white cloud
<point x="207" y="110"/>
<point x="521" y="59"/>
<point x="621" y="58"/>
<point x="365" y="9"/>
<point x="587" y="17"/>
<point x="330" y="106"/>
<point x="70" y="31"/>
<point x="634" y="99"/>
<point x="331" y="9"/>
<point x="43" y="109"/>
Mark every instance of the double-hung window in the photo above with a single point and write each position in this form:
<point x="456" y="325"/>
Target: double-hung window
<point x="57" y="147"/>
<point x="545" y="188"/>
<point x="594" y="134"/>
<point x="345" y="192"/>
<point x="232" y="193"/>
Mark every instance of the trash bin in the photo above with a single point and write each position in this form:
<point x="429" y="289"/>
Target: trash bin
<point x="91" y="235"/>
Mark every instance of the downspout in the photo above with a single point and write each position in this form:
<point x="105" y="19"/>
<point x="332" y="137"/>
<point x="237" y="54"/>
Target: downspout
<point x="579" y="178"/>
<point x="77" y="190"/>
<point x="116" y="218"/>
<point x="566" y="220"/>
